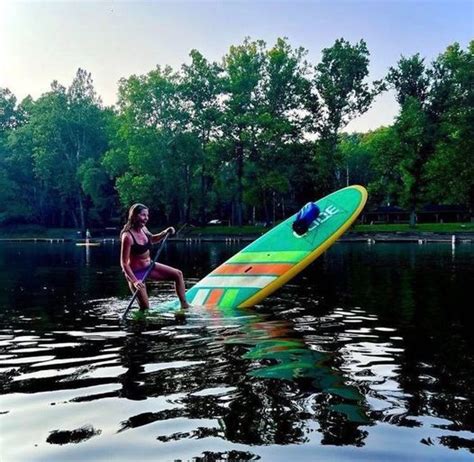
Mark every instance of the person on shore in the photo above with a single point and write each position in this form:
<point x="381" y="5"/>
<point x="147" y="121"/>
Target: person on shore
<point x="135" y="257"/>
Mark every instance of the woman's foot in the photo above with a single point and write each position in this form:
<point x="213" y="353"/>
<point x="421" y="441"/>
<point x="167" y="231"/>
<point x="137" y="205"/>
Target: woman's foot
<point x="180" y="315"/>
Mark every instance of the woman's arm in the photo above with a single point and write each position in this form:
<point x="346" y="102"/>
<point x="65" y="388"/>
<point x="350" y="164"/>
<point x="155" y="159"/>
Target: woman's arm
<point x="158" y="237"/>
<point x="125" y="261"/>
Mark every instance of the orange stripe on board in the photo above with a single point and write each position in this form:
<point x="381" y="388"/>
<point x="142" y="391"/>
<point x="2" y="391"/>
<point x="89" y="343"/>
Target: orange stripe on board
<point x="214" y="296"/>
<point x="253" y="268"/>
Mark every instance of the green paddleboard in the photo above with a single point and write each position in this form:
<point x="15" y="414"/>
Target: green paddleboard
<point x="272" y="260"/>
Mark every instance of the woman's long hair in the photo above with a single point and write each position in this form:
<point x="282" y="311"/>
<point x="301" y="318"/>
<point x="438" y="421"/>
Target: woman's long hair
<point x="133" y="212"/>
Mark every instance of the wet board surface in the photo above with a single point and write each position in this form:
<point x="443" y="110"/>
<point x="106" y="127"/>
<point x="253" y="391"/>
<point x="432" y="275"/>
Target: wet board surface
<point x="273" y="259"/>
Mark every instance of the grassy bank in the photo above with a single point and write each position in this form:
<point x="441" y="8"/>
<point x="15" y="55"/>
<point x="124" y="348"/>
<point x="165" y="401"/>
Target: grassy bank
<point x="378" y="228"/>
<point x="423" y="227"/>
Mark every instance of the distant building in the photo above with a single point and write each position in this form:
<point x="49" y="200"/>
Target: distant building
<point x="385" y="214"/>
<point x="428" y="214"/>
<point x="444" y="214"/>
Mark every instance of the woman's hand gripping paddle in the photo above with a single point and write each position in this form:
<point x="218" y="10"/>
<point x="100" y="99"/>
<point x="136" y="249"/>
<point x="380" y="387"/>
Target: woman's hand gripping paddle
<point x="148" y="271"/>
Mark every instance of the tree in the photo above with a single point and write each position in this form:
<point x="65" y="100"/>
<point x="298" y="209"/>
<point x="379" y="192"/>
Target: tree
<point x="7" y="117"/>
<point x="242" y="99"/>
<point x="200" y="87"/>
<point x="383" y="148"/>
<point x="356" y="158"/>
<point x="340" y="93"/>
<point x="410" y="79"/>
<point x="11" y="116"/>
<point x="16" y="177"/>
<point x="450" y="171"/>
<point x="414" y="128"/>
<point x="67" y="128"/>
<point x="279" y="127"/>
<point x="153" y="152"/>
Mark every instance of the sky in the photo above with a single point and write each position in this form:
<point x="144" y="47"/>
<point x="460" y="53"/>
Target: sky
<point x="43" y="41"/>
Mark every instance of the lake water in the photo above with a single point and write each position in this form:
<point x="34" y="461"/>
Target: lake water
<point x="366" y="356"/>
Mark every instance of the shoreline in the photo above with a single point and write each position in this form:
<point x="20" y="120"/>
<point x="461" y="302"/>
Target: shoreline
<point x="419" y="237"/>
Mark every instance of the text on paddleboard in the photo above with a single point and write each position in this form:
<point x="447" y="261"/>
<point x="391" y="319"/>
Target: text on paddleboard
<point x="325" y="215"/>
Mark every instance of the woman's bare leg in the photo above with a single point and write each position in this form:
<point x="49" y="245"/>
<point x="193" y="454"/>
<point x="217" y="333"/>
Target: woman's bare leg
<point x="142" y="297"/>
<point x="167" y="273"/>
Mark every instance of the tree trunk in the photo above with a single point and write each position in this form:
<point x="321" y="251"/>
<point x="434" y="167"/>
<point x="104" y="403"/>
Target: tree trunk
<point x="43" y="219"/>
<point x="471" y="204"/>
<point x="74" y="219"/>
<point x="239" y="151"/>
<point x="82" y="216"/>
<point x="273" y="208"/>
<point x="187" y="194"/>
<point x="202" y="205"/>
<point x="265" y="207"/>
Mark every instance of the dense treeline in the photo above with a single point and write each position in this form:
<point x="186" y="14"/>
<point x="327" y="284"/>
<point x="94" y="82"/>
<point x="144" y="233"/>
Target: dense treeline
<point x="250" y="138"/>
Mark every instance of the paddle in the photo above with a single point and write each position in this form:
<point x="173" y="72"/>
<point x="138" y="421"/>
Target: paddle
<point x="148" y="271"/>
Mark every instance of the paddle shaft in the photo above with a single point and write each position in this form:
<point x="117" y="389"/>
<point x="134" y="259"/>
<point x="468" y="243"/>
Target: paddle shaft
<point x="148" y="271"/>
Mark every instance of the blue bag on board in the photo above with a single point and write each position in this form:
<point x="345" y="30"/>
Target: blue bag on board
<point x="305" y="217"/>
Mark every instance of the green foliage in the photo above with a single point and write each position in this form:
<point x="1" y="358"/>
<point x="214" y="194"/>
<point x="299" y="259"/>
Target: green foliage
<point x="340" y="83"/>
<point x="384" y="152"/>
<point x="410" y="79"/>
<point x="137" y="188"/>
<point x="414" y="129"/>
<point x="434" y="128"/>
<point x="7" y="196"/>
<point x="411" y="128"/>
<point x="201" y="84"/>
<point x="63" y="128"/>
<point x="450" y="171"/>
<point x="15" y="168"/>
<point x="242" y="83"/>
<point x="342" y="93"/>
<point x="98" y="187"/>
<point x="68" y="129"/>
<point x="356" y="158"/>
<point x="152" y="153"/>
<point x="279" y="129"/>
<point x="11" y="116"/>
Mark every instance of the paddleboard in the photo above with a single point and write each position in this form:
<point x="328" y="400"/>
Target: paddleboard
<point x="276" y="257"/>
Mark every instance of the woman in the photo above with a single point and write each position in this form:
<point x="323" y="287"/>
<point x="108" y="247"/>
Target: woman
<point x="135" y="257"/>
